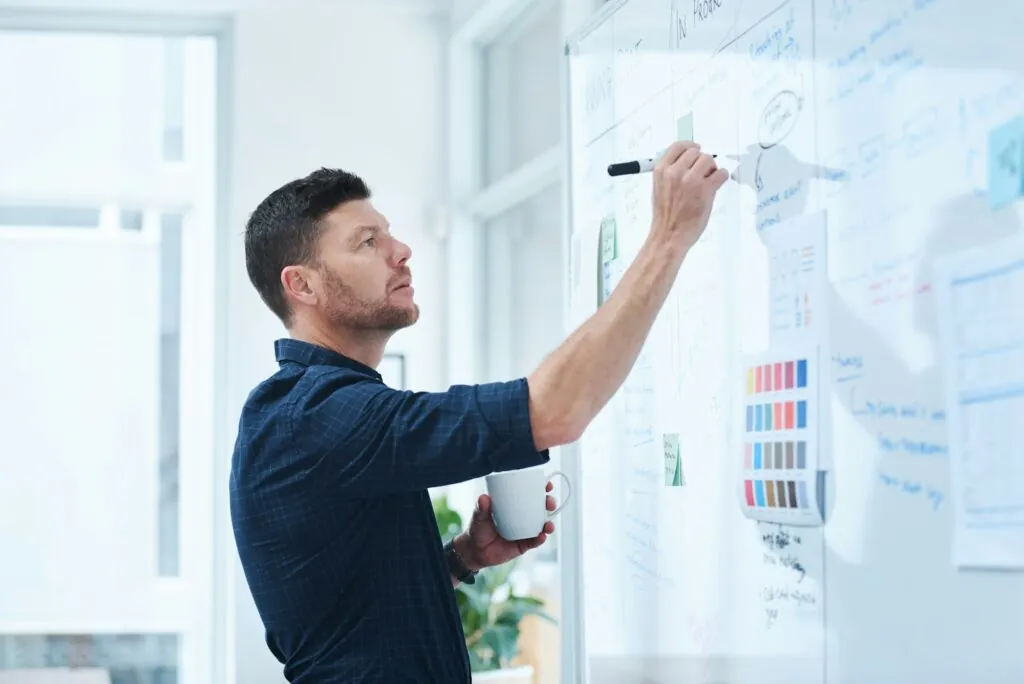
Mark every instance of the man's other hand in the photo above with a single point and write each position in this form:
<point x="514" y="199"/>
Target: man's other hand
<point x="481" y="546"/>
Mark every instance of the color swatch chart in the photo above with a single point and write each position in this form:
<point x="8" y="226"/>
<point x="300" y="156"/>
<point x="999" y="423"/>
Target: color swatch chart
<point x="780" y="461"/>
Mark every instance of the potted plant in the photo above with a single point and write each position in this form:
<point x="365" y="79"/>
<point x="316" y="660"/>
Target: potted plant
<point x="491" y="612"/>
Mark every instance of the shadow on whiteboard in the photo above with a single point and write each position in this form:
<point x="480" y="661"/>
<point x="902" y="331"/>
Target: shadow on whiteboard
<point x="759" y="163"/>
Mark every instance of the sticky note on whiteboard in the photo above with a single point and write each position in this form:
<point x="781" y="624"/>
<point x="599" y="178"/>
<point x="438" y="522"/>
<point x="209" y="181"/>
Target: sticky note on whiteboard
<point x="1006" y="162"/>
<point x="684" y="127"/>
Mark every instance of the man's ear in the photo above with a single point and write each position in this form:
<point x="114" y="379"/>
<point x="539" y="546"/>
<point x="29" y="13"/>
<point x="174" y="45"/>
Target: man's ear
<point x="299" y="283"/>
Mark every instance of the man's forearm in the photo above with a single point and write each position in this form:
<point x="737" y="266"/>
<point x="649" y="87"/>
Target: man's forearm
<point x="575" y="381"/>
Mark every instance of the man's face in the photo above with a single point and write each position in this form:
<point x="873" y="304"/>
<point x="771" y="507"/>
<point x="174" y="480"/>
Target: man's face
<point x="363" y="281"/>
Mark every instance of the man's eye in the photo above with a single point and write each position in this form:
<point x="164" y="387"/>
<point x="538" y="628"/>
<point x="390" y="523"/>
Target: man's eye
<point x="370" y="242"/>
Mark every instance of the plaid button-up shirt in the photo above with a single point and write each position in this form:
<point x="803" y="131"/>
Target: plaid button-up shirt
<point x="333" y="522"/>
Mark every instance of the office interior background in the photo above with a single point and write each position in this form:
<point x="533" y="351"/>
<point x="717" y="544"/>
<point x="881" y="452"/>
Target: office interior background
<point x="135" y="138"/>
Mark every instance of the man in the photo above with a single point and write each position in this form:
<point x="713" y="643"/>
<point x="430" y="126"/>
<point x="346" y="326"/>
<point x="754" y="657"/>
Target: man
<point x="329" y="502"/>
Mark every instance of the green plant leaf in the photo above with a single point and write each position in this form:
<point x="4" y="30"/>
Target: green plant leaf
<point x="474" y="608"/>
<point x="502" y="641"/>
<point x="490" y="611"/>
<point x="479" y="664"/>
<point x="449" y="522"/>
<point x="516" y="608"/>
<point x="497" y="577"/>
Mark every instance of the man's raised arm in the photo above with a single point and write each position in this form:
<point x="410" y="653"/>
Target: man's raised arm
<point x="570" y="387"/>
<point x="360" y="438"/>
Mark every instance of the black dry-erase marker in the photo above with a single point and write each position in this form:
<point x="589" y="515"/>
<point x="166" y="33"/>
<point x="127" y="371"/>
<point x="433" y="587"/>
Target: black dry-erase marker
<point x="633" y="167"/>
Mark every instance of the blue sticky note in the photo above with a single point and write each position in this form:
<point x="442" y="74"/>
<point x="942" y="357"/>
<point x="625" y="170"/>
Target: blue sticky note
<point x="801" y="373"/>
<point x="759" y="489"/>
<point x="757" y="456"/>
<point x="758" y="418"/>
<point x="1006" y="162"/>
<point x="750" y="419"/>
<point x="801" y="414"/>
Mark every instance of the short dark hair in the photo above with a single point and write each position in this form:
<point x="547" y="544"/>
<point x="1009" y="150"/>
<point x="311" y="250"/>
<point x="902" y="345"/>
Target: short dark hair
<point x="285" y="229"/>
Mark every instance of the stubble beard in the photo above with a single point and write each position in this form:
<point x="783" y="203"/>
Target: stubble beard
<point x="345" y="310"/>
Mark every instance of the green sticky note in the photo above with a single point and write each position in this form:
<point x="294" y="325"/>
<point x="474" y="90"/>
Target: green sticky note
<point x="1006" y="162"/>
<point x="609" y="241"/>
<point x="684" y="127"/>
<point x="608" y="252"/>
<point x="673" y="462"/>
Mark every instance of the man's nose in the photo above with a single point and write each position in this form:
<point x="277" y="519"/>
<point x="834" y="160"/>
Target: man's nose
<point x="402" y="252"/>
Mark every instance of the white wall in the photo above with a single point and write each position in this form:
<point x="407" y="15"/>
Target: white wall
<point x="355" y="88"/>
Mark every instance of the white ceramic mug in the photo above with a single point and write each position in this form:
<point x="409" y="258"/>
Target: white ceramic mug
<point x="519" y="501"/>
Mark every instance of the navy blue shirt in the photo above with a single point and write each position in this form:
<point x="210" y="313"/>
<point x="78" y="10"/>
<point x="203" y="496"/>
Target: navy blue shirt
<point x="333" y="522"/>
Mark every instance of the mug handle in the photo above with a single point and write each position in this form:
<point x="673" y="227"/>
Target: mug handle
<point x="568" y="493"/>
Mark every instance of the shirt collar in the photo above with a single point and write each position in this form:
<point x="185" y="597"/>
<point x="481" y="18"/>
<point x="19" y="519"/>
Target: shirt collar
<point x="307" y="354"/>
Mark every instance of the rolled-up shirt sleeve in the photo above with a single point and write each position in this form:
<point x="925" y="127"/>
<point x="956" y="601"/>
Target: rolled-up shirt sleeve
<point x="361" y="437"/>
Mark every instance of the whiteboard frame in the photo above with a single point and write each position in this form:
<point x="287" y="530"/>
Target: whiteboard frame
<point x="570" y="552"/>
<point x="603" y="14"/>
<point x="570" y="548"/>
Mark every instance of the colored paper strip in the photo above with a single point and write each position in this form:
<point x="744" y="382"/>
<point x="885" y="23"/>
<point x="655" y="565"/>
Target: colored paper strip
<point x="780" y="494"/>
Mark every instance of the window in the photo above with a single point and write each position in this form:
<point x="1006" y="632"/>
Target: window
<point x="524" y="294"/>
<point x="105" y="509"/>
<point x="131" y="220"/>
<point x="515" y="220"/>
<point x="171" y="226"/>
<point x="522" y="104"/>
<point x="124" y="658"/>
<point x="48" y="216"/>
<point x="525" y="291"/>
<point x="174" y="100"/>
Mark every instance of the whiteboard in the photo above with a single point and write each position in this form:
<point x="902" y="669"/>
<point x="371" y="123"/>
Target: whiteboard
<point x="783" y="489"/>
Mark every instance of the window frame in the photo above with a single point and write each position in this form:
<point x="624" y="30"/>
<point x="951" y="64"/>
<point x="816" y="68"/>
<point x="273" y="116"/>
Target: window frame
<point x="478" y="322"/>
<point x="206" y="644"/>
